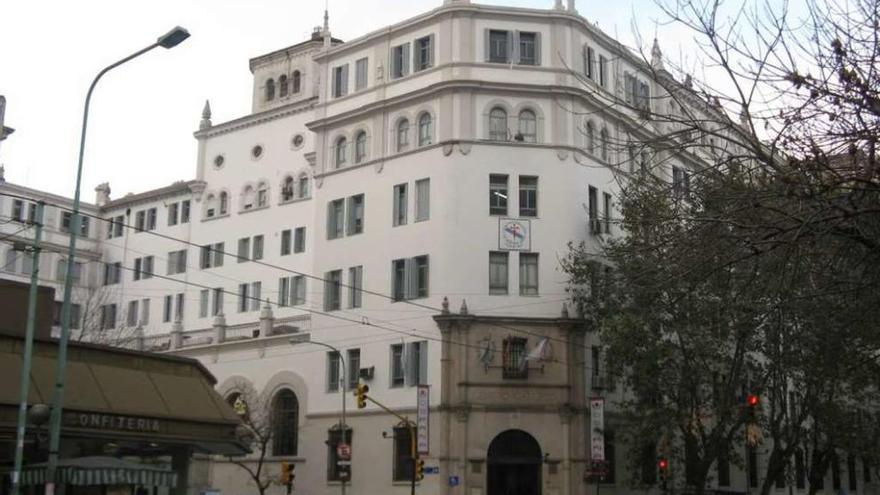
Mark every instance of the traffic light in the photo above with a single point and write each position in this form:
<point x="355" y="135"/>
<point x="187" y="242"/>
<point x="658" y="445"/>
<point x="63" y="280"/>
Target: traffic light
<point x="361" y="394"/>
<point x="420" y="469"/>
<point x="753" y="400"/>
<point x="286" y="475"/>
<point x="663" y="468"/>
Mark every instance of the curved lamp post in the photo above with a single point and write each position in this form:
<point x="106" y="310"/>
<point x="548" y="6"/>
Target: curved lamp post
<point x="168" y="40"/>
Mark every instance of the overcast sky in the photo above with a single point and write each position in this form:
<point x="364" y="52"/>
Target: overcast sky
<point x="143" y="114"/>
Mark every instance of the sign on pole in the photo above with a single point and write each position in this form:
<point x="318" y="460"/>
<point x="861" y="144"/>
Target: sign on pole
<point x="597" y="429"/>
<point x="422" y="403"/>
<point x="343" y="451"/>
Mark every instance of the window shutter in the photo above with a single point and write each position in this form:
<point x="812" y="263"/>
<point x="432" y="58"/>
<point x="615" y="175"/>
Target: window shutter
<point x="513" y="47"/>
<point x="487" y="44"/>
<point x="431" y="50"/>
<point x="537" y="48"/>
<point x="330" y="217"/>
<point x="410" y="364"/>
<point x="412" y="278"/>
<point x="423" y="362"/>
<point x="406" y="57"/>
<point x="392" y="65"/>
<point x="333" y="82"/>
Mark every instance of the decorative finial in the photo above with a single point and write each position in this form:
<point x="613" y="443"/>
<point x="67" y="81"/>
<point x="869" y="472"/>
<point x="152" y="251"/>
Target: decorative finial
<point x="564" y="310"/>
<point x="656" y="56"/>
<point x="206" y="116"/>
<point x="445" y="310"/>
<point x="463" y="309"/>
<point x="557" y="5"/>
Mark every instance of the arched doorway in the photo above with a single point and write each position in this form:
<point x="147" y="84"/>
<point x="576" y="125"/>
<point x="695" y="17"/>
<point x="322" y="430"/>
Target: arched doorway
<point x="514" y="464"/>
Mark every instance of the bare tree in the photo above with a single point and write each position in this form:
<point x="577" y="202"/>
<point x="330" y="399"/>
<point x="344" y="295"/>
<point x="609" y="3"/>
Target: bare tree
<point x="258" y="420"/>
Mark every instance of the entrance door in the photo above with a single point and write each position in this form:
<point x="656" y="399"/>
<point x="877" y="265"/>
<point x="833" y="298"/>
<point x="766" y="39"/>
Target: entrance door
<point x="514" y="464"/>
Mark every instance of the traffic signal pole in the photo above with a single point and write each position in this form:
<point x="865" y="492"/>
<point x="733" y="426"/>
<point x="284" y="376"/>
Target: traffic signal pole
<point x="412" y="438"/>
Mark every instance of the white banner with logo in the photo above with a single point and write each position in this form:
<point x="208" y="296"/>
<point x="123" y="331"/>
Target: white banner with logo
<point x="597" y="429"/>
<point x="422" y="403"/>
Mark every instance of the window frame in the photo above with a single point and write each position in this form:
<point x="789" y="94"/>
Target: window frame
<point x="529" y="262"/>
<point x="495" y="266"/>
<point x="499" y="197"/>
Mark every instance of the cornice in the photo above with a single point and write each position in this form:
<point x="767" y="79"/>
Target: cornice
<point x="258" y="118"/>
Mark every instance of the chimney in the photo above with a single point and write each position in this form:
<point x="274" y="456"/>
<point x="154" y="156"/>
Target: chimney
<point x="102" y="194"/>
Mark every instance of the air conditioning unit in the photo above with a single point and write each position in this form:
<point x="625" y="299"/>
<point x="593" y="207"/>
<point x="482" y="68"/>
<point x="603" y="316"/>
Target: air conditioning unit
<point x="367" y="373"/>
<point x="599" y="382"/>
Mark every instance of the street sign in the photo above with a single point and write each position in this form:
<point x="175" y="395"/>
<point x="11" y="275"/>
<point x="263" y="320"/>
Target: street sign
<point x="453" y="480"/>
<point x="432" y="469"/>
<point x="343" y="451"/>
<point x="597" y="429"/>
<point x="422" y="402"/>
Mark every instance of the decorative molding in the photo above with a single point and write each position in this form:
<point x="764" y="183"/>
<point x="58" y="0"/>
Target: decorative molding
<point x="561" y="154"/>
<point x="464" y="148"/>
<point x="447" y="149"/>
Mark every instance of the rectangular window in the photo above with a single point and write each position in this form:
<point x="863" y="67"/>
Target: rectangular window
<point x="67" y="220"/>
<point x="333" y="372"/>
<point x="398" y="375"/>
<point x="145" y="312"/>
<point x="204" y="296"/>
<point x="398" y="280"/>
<point x="332" y="289"/>
<point x="528" y="48"/>
<point x="111" y="273"/>
<point x="498" y="273"/>
<point x="167" y="308"/>
<point x="244" y="249"/>
<point x="243" y="297"/>
<point x="340" y="81"/>
<point x="606" y="202"/>
<point x="423" y="200"/>
<point x="499" y="46"/>
<point x="361" y="68"/>
<point x="403" y="461"/>
<point x="18" y="211"/>
<point x="217" y="301"/>
<point x="299" y="240"/>
<point x="140" y="220"/>
<point x="603" y="70"/>
<point x="184" y="211"/>
<point x="177" y="262"/>
<point x="211" y="255"/>
<point x="258" y="247"/>
<point x="285" y="242"/>
<point x="528" y="274"/>
<point x="256" y="289"/>
<point x="497" y="194"/>
<point x="400" y="203"/>
<point x="409" y="278"/>
<point x="424" y="53"/>
<point x="132" y="315"/>
<point x="283" y="291"/>
<point x="400" y="61"/>
<point x="417" y="363"/>
<point x="513" y="358"/>
<point x="355" y="214"/>
<point x="172" y="213"/>
<point x="108" y="316"/>
<point x="589" y="61"/>
<point x="335" y="219"/>
<point x="355" y="284"/>
<point x="354" y="367"/>
<point x="138" y="262"/>
<point x="298" y="291"/>
<point x="528" y="196"/>
<point x="178" y="307"/>
<point x="595" y="226"/>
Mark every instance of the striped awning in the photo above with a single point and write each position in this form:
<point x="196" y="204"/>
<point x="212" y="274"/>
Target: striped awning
<point x="99" y="470"/>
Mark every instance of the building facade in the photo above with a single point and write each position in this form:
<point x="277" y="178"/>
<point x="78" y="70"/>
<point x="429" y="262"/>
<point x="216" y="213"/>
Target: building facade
<point x="405" y="197"/>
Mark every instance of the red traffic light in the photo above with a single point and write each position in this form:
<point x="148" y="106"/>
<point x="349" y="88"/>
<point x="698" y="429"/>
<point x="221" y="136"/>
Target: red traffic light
<point x="752" y="400"/>
<point x="663" y="464"/>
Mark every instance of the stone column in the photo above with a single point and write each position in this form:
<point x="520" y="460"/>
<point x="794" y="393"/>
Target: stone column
<point x="267" y="321"/>
<point x="219" y="329"/>
<point x="177" y="335"/>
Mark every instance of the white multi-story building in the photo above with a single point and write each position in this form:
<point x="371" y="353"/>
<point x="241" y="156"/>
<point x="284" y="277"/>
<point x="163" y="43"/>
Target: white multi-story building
<point x="405" y="197"/>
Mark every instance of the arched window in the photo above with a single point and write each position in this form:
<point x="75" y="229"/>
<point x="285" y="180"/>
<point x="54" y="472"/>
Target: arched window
<point x="287" y="189"/>
<point x="285" y="423"/>
<point x="262" y="194"/>
<point x="402" y="134"/>
<point x="210" y="206"/>
<point x="295" y="82"/>
<point x="247" y="198"/>
<point x="303" y="186"/>
<point x="591" y="138"/>
<point x="270" y="90"/>
<point x="224" y="202"/>
<point x="360" y="147"/>
<point x="603" y="142"/>
<point x="425" y="129"/>
<point x="498" y="124"/>
<point x="282" y="85"/>
<point x="528" y="126"/>
<point x="341" y="149"/>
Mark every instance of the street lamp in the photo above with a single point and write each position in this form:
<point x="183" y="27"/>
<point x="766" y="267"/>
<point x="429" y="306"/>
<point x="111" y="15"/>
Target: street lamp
<point x="306" y="338"/>
<point x="168" y="40"/>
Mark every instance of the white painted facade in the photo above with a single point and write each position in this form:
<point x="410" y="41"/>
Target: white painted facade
<point x="294" y="135"/>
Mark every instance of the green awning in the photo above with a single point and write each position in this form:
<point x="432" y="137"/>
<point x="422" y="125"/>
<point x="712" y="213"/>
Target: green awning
<point x="99" y="470"/>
